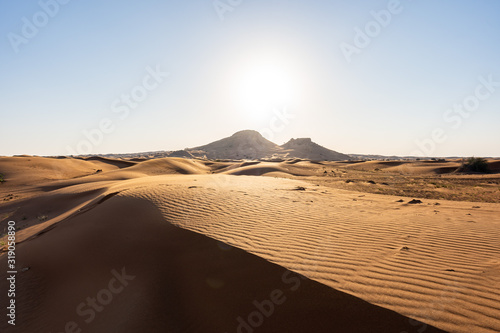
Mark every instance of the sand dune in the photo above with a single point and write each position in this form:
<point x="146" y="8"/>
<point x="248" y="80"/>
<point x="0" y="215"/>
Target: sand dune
<point x="494" y="165"/>
<point x="178" y="281"/>
<point x="30" y="170"/>
<point x="257" y="169"/>
<point x="110" y="161"/>
<point x="428" y="167"/>
<point x="419" y="167"/>
<point x="170" y="165"/>
<point x="372" y="263"/>
<point x="426" y="265"/>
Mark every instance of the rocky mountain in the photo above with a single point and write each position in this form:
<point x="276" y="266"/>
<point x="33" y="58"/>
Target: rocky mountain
<point x="241" y="145"/>
<point x="307" y="149"/>
<point x="252" y="145"/>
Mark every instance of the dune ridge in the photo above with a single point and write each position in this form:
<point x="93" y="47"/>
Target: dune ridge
<point x="176" y="281"/>
<point x="410" y="260"/>
<point x="436" y="262"/>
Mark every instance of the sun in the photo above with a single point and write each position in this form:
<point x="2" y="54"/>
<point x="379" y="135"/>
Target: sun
<point x="263" y="87"/>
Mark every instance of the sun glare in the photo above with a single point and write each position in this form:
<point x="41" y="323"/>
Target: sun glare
<point x="264" y="87"/>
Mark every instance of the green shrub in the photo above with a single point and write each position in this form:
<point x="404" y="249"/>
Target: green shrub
<point x="2" y="179"/>
<point x="474" y="164"/>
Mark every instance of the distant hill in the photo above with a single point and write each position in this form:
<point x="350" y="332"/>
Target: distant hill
<point x="246" y="144"/>
<point x="180" y="153"/>
<point x="252" y="145"/>
<point x="307" y="149"/>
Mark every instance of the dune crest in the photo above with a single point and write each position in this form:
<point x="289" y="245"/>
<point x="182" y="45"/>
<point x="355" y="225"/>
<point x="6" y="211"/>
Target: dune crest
<point x="433" y="261"/>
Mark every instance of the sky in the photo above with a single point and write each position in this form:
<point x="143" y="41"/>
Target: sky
<point x="391" y="77"/>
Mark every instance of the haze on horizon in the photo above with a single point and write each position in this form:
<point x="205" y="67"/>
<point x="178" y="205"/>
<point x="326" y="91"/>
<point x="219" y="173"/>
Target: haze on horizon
<point x="373" y="77"/>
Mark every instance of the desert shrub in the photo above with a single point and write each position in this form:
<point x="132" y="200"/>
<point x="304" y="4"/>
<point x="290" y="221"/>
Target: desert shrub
<point x="474" y="164"/>
<point x="2" y="179"/>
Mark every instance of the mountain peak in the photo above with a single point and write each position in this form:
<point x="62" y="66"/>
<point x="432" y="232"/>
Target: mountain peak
<point x="246" y="144"/>
<point x="250" y="144"/>
<point x="251" y="133"/>
<point x="298" y="142"/>
<point x="306" y="148"/>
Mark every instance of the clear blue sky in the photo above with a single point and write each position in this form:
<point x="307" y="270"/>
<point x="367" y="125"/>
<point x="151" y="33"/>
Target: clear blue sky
<point x="352" y="83"/>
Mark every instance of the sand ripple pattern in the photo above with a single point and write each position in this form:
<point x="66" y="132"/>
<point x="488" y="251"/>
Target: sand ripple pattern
<point x="439" y="264"/>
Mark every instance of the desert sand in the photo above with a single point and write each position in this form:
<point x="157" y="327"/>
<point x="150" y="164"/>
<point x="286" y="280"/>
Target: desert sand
<point x="189" y="245"/>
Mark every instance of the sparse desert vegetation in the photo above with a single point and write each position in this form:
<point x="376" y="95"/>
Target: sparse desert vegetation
<point x="474" y="164"/>
<point x="421" y="179"/>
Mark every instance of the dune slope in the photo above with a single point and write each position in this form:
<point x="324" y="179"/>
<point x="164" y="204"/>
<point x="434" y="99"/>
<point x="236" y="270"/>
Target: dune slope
<point x="435" y="261"/>
<point x="145" y="275"/>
